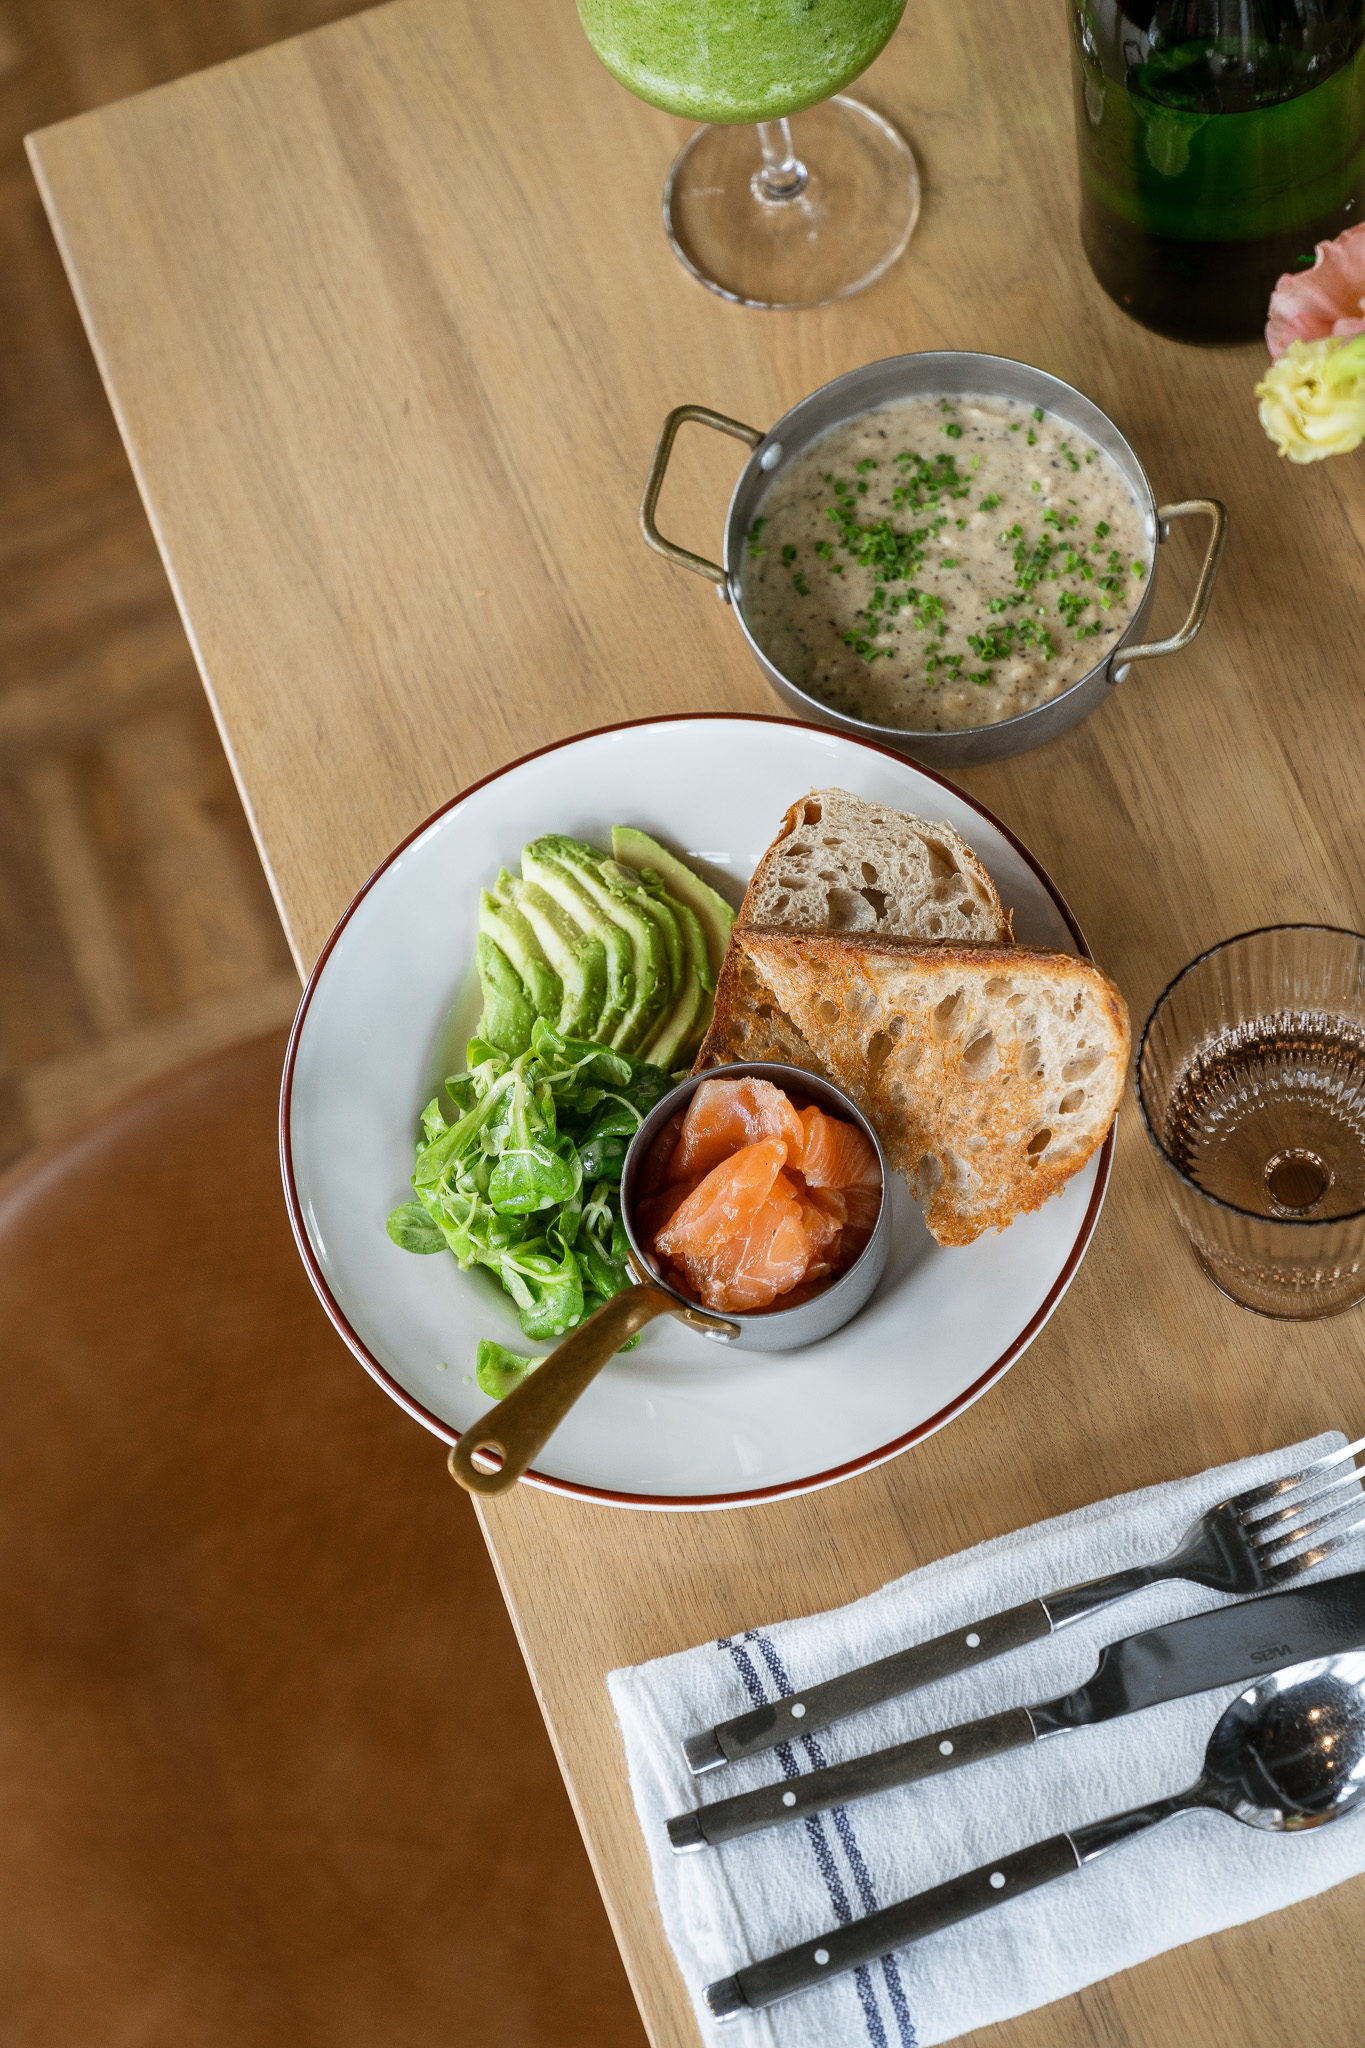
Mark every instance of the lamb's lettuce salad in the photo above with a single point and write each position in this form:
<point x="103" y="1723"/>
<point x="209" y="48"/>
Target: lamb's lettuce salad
<point x="527" y="1180"/>
<point x="598" y="973"/>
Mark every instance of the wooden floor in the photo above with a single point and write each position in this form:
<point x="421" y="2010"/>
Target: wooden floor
<point x="136" y="928"/>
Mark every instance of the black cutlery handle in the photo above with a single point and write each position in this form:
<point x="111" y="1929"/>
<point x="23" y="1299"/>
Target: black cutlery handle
<point x="976" y="1642"/>
<point x="863" y="1941"/>
<point x="928" y="1756"/>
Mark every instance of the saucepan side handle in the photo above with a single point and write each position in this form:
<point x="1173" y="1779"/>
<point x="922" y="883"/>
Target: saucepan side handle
<point x="1190" y="508"/>
<point x="521" y="1425"/>
<point x="658" y="469"/>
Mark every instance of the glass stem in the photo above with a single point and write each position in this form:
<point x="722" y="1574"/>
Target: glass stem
<point x="783" y="176"/>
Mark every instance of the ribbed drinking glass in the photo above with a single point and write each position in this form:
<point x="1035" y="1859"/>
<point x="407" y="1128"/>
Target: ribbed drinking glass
<point x="1251" y="1082"/>
<point x="792" y="194"/>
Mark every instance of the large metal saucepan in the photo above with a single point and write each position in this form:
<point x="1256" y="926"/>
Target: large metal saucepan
<point x="946" y="373"/>
<point x="493" y="1454"/>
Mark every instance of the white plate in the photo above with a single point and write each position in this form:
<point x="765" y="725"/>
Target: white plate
<point x="676" y="1423"/>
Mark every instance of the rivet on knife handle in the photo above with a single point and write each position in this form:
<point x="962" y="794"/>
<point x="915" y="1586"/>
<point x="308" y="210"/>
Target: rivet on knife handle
<point x="904" y="1671"/>
<point x="928" y="1756"/>
<point x="863" y="1941"/>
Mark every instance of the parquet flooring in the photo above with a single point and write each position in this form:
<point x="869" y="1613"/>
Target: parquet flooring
<point x="136" y="928"/>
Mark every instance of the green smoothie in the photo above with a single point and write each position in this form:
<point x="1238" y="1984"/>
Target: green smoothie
<point x="737" y="60"/>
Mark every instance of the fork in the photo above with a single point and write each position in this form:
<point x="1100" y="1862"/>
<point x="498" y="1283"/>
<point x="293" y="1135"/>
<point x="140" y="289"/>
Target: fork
<point x="1239" y="1546"/>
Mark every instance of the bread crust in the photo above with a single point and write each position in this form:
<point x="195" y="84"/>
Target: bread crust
<point x="885" y="871"/>
<point x="961" y="1056"/>
<point x="748" y="1022"/>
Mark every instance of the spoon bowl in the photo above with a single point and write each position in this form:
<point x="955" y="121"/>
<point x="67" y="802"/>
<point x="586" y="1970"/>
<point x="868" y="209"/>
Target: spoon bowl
<point x="1289" y="1753"/>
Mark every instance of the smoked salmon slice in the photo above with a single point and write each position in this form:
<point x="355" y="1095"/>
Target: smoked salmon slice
<point x="840" y="1169"/>
<point x="723" y="1115"/>
<point x="740" y="1238"/>
<point x="835" y="1154"/>
<point x="657" y="1210"/>
<point x="746" y="1200"/>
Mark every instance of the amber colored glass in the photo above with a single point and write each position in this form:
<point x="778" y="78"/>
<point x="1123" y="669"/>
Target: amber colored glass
<point x="1251" y="1082"/>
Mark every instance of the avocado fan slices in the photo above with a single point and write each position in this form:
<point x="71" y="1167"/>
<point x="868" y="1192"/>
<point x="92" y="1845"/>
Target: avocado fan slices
<point x="620" y="950"/>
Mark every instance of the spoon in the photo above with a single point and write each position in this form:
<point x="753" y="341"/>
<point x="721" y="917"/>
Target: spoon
<point x="1289" y="1754"/>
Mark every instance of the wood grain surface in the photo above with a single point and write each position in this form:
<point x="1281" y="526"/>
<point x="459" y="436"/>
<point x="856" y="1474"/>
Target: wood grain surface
<point x="389" y="324"/>
<point x="136" y="927"/>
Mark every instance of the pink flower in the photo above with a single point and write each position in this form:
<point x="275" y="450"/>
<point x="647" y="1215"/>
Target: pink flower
<point x="1329" y="299"/>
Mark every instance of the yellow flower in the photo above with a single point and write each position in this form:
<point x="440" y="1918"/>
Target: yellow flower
<point x="1313" y="399"/>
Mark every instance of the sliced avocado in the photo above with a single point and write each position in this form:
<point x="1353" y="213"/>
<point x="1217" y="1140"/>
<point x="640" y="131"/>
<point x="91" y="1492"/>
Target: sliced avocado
<point x="689" y="924"/>
<point x="678" y="1037"/>
<point x="513" y="936"/>
<point x="629" y="885"/>
<point x="579" y="959"/>
<point x="653" y="995"/>
<point x="683" y="1029"/>
<point x="542" y="864"/>
<point x="635" y="849"/>
<point x="508" y="1014"/>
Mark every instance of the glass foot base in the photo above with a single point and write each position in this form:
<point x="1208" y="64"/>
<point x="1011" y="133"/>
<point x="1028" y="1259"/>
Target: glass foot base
<point x="848" y="221"/>
<point x="1273" y="1296"/>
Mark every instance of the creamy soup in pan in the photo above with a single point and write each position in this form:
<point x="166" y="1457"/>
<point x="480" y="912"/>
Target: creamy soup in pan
<point x="944" y="563"/>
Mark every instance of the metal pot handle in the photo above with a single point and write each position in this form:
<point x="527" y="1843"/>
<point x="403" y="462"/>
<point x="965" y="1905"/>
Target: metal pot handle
<point x="525" y="1420"/>
<point x="654" y="483"/>
<point x="1209" y="508"/>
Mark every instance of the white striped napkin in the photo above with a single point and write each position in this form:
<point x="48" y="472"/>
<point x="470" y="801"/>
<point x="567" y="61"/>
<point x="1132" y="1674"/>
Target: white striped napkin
<point x="725" y="1907"/>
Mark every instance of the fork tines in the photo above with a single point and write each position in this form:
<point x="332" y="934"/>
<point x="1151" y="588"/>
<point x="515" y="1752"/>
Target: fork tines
<point x="1275" y="1489"/>
<point x="1315" y="1514"/>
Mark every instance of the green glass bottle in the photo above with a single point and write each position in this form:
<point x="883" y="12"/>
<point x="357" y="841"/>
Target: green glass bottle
<point x="1219" y="140"/>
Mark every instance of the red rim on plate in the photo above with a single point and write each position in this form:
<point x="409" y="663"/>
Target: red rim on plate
<point x="790" y="1488"/>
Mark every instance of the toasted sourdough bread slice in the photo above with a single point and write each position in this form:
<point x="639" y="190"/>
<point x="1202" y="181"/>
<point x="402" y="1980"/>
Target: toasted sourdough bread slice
<point x="749" y="1023"/>
<point x="990" y="1073"/>
<point x="842" y="864"/>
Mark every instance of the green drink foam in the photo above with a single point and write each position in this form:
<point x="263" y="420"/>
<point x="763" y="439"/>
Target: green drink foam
<point x="737" y="60"/>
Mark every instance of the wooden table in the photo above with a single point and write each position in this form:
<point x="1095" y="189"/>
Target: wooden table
<point x="390" y="324"/>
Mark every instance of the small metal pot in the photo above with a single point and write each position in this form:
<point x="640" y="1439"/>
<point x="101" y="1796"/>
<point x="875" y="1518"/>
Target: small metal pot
<point x="519" y="1426"/>
<point x="944" y="373"/>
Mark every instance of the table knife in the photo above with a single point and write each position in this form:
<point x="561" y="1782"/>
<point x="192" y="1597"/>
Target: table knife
<point x="1225" y="1647"/>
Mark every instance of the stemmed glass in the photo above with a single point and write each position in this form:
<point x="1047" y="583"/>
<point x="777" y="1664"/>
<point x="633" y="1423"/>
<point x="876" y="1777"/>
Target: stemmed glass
<point x="791" y="195"/>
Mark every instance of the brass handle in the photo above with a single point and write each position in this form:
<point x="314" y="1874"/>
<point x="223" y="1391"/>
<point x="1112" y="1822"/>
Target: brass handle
<point x="1208" y="508"/>
<point x="654" y="483"/>
<point x="522" y="1424"/>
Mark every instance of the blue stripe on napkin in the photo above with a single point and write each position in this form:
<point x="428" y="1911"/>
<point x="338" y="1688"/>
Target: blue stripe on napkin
<point x="820" y="1844"/>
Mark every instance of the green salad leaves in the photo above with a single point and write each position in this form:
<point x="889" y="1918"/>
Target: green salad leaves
<point x="598" y="973"/>
<point x="527" y="1180"/>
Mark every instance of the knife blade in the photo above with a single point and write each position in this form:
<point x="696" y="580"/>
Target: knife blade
<point x="1199" y="1654"/>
